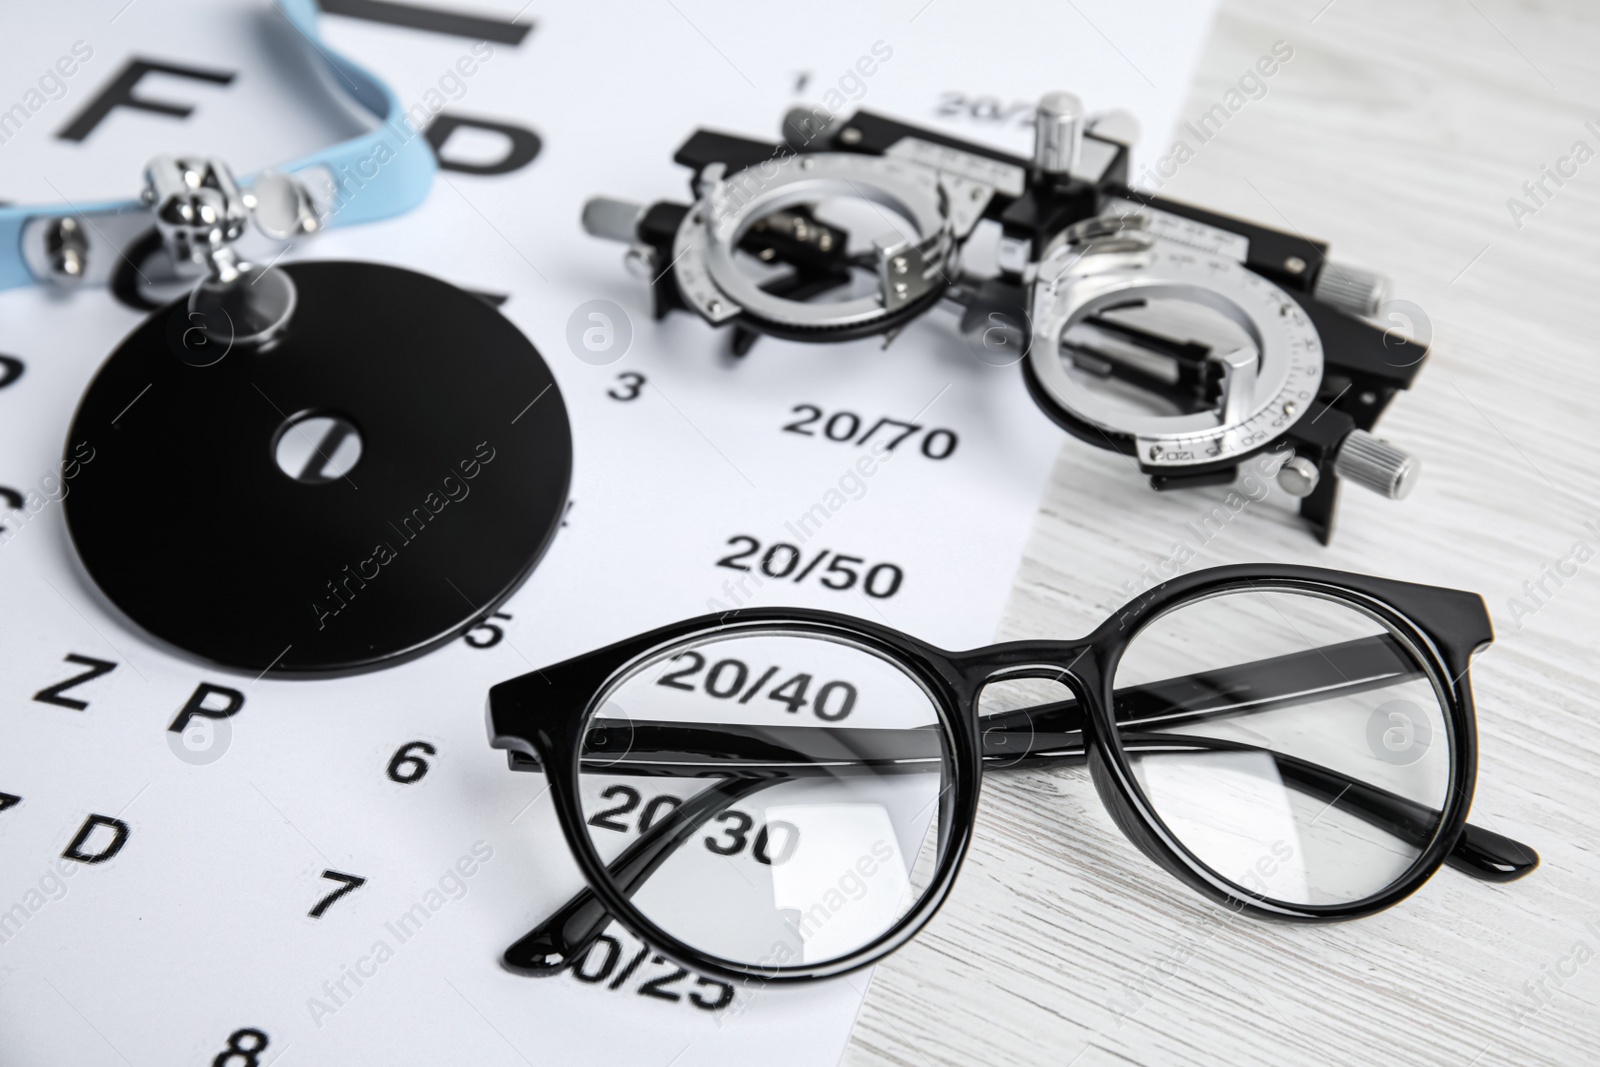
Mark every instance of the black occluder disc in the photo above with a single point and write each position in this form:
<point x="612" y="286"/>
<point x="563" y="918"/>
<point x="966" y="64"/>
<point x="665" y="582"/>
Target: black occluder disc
<point x="184" y="517"/>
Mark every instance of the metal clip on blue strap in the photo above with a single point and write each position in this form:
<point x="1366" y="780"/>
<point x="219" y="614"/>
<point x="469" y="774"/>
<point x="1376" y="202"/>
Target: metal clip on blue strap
<point x="384" y="172"/>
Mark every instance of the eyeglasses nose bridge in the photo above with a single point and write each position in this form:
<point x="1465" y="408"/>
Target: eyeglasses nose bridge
<point x="1057" y="661"/>
<point x="1012" y="734"/>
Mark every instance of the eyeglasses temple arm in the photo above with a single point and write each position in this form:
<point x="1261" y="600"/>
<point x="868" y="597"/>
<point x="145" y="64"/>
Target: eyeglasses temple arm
<point x="1356" y="666"/>
<point x="1341" y="669"/>
<point x="563" y="938"/>
<point x="1480" y="853"/>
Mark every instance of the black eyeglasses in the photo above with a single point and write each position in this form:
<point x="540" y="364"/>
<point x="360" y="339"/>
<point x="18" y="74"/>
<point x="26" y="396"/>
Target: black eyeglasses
<point x="786" y="794"/>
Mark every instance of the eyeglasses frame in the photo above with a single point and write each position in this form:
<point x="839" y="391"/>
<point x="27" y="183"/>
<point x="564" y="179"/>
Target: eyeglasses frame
<point x="531" y="717"/>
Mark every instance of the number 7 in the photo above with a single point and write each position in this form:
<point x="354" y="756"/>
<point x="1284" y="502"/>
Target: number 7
<point x="350" y="881"/>
<point x="909" y="428"/>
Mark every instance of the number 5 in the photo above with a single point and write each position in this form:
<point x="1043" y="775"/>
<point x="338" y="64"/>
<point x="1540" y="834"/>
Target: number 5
<point x="850" y="576"/>
<point x="495" y="632"/>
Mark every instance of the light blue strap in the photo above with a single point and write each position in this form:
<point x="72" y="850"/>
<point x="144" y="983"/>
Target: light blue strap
<point x="384" y="172"/>
<point x="14" y="270"/>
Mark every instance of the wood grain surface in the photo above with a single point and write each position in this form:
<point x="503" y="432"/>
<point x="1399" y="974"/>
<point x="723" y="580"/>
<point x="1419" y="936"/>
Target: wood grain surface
<point x="1398" y="132"/>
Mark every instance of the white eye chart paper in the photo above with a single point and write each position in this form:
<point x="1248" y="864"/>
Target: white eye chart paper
<point x="193" y="940"/>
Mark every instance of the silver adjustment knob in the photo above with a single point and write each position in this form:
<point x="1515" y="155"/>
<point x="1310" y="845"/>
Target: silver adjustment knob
<point x="1376" y="464"/>
<point x="200" y="212"/>
<point x="612" y="220"/>
<point x="67" y="246"/>
<point x="282" y="206"/>
<point x="1298" y="476"/>
<point x="1351" y="289"/>
<point x="1058" y="133"/>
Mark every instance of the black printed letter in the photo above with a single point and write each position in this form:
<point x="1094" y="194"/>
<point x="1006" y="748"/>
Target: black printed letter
<point x="52" y="694"/>
<point x="119" y="831"/>
<point x="416" y="17"/>
<point x="120" y="94"/>
<point x="234" y="701"/>
<point x="522" y="145"/>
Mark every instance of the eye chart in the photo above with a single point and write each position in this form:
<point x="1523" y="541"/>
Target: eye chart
<point x="329" y="873"/>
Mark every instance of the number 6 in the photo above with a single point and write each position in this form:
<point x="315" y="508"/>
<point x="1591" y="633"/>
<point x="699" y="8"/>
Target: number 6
<point x="406" y="768"/>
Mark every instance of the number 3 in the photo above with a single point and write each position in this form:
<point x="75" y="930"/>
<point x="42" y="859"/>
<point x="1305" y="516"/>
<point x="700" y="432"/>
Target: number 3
<point x="630" y="381"/>
<point x="738" y="835"/>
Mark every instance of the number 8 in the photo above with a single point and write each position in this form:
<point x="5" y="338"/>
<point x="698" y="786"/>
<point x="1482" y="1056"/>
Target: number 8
<point x="236" y="1050"/>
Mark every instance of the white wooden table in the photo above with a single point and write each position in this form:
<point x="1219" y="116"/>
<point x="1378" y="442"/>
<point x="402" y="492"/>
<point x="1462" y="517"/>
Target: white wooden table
<point x="1397" y="132"/>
